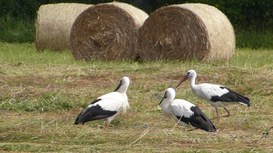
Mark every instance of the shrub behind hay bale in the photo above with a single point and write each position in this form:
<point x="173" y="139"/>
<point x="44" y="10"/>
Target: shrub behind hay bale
<point x="187" y="31"/>
<point x="107" y="31"/>
<point x="53" y="25"/>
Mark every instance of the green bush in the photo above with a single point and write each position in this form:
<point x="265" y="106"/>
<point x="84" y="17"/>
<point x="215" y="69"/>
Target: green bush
<point x="254" y="39"/>
<point x="16" y="30"/>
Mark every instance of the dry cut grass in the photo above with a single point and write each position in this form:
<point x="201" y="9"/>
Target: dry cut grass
<point x="40" y="100"/>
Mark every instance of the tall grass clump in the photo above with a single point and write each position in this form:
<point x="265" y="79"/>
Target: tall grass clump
<point x="16" y="30"/>
<point x="254" y="39"/>
<point x="52" y="101"/>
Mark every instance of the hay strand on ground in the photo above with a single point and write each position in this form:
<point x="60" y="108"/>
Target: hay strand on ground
<point x="107" y="31"/>
<point x="187" y="31"/>
<point x="53" y="25"/>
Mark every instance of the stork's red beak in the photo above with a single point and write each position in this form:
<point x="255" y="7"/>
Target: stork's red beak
<point x="184" y="78"/>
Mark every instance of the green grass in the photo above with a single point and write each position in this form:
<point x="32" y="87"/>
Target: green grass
<point x="41" y="93"/>
<point x="254" y="39"/>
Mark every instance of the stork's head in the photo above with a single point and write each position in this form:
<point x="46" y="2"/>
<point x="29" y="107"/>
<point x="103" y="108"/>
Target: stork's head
<point x="191" y="74"/>
<point x="123" y="85"/>
<point x="169" y="95"/>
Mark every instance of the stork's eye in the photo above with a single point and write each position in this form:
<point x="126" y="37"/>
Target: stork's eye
<point x="188" y="73"/>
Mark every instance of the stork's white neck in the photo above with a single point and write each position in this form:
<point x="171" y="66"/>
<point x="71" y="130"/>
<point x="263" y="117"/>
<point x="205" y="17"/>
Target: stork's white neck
<point x="122" y="89"/>
<point x="192" y="81"/>
<point x="125" y="104"/>
<point x="167" y="99"/>
<point x="164" y="105"/>
<point x="123" y="85"/>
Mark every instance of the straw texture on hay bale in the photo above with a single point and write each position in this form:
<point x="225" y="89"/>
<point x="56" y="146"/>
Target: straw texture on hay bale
<point x="186" y="32"/>
<point x="107" y="31"/>
<point x="53" y="25"/>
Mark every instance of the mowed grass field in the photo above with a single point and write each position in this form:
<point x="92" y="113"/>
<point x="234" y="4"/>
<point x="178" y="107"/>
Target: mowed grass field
<point x="42" y="93"/>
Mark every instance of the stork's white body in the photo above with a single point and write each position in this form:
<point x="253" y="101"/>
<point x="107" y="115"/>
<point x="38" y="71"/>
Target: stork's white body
<point x="206" y="91"/>
<point x="114" y="101"/>
<point x="216" y="95"/>
<point x="184" y="112"/>
<point x="107" y="106"/>
<point x="180" y="107"/>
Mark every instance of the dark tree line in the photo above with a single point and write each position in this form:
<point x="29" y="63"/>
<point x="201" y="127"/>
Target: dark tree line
<point x="252" y="14"/>
<point x="17" y="17"/>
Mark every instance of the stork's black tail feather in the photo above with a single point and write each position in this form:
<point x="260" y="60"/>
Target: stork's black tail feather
<point x="93" y="113"/>
<point x="199" y="120"/>
<point x="232" y="96"/>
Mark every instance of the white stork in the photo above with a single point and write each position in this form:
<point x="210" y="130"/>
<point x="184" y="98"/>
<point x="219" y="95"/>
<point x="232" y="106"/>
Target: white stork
<point x="185" y="112"/>
<point x="217" y="95"/>
<point x="107" y="106"/>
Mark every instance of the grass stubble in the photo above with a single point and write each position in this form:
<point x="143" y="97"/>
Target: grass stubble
<point x="42" y="93"/>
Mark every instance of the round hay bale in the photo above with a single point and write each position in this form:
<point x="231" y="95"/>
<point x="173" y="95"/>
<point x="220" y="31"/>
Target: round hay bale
<point x="186" y="32"/>
<point x="107" y="31"/>
<point x="53" y="25"/>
